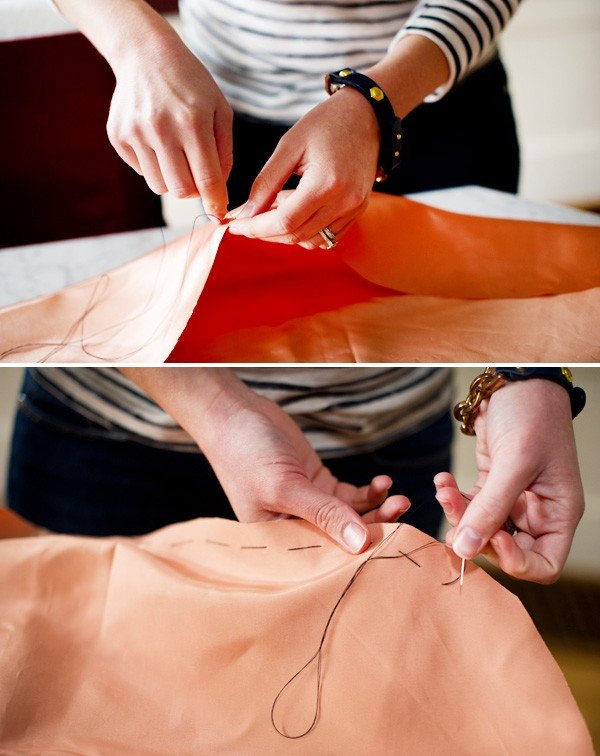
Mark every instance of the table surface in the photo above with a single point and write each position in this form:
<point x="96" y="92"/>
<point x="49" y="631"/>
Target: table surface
<point x="34" y="270"/>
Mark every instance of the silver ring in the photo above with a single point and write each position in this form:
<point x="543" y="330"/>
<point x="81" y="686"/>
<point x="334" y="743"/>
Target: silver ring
<point x="328" y="237"/>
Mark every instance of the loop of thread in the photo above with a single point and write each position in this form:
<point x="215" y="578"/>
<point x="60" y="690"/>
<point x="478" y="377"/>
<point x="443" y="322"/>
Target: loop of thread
<point x="319" y="652"/>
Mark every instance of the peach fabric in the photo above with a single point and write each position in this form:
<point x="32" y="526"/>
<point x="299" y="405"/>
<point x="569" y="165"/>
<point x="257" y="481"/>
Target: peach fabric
<point x="134" y="313"/>
<point x="409" y="282"/>
<point x="178" y="642"/>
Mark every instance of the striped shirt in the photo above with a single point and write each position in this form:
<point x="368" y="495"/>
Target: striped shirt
<point x="269" y="56"/>
<point x="341" y="410"/>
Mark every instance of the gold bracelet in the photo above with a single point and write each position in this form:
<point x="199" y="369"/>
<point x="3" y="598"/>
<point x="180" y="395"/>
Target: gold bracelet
<point x="481" y="388"/>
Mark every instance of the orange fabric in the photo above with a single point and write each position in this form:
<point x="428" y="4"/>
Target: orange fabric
<point x="178" y="642"/>
<point x="418" y="249"/>
<point x="409" y="283"/>
<point x="474" y="284"/>
<point x="411" y="329"/>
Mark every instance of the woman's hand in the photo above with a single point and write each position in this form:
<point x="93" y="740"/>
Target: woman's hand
<point x="269" y="470"/>
<point x="334" y="149"/>
<point x="528" y="470"/>
<point x="265" y="464"/>
<point x="169" y="121"/>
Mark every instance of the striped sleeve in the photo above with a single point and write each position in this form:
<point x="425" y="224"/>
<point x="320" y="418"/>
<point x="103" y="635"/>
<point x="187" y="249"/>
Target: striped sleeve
<point x="465" y="31"/>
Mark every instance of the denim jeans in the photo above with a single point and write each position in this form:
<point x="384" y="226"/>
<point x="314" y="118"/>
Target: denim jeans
<point x="69" y="474"/>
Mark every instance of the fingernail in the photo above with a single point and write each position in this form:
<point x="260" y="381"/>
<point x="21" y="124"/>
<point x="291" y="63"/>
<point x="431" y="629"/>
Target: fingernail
<point x="246" y="211"/>
<point x="354" y="537"/>
<point x="467" y="543"/>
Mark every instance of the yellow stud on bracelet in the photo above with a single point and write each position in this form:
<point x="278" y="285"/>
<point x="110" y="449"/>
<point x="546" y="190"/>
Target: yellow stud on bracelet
<point x="376" y="93"/>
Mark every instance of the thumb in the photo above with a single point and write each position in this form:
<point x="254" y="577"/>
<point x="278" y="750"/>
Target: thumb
<point x="331" y="515"/>
<point x="490" y="507"/>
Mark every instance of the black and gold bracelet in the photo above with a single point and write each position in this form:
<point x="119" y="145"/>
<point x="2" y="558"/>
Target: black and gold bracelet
<point x="390" y="125"/>
<point x="484" y="385"/>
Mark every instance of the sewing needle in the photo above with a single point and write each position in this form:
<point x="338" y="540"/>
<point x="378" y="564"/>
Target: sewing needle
<point x="463" y="561"/>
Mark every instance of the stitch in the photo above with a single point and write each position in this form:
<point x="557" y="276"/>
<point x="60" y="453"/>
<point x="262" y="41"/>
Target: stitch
<point x="301" y="548"/>
<point x="217" y="543"/>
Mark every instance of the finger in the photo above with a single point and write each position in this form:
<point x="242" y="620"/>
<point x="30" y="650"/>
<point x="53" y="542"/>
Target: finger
<point x="205" y="166"/>
<point x="151" y="169"/>
<point x="127" y="154"/>
<point x="540" y="559"/>
<point x="305" y="234"/>
<point x="333" y="516"/>
<point x="450" y="497"/>
<point x="309" y="238"/>
<point x="224" y="140"/>
<point x="285" y="220"/>
<point x="367" y="497"/>
<point x="389" y="511"/>
<point x="487" y="550"/>
<point x="176" y="172"/>
<point x="378" y="489"/>
<point x="281" y="197"/>
<point x="231" y="214"/>
<point x="275" y="172"/>
<point x="340" y="227"/>
<point x="491" y="506"/>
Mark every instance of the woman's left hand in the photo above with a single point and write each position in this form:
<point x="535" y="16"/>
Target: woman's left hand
<point x="528" y="470"/>
<point x="334" y="149"/>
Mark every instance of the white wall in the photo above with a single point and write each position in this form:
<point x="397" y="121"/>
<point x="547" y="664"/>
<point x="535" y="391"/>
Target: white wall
<point x="585" y="556"/>
<point x="552" y="52"/>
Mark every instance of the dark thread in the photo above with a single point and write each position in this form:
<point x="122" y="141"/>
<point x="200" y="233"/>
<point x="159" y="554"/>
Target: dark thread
<point x="93" y="302"/>
<point x="302" y="548"/>
<point x="451" y="582"/>
<point x="414" y="561"/>
<point x="318" y="655"/>
<point x="217" y="543"/>
<point x="253" y="547"/>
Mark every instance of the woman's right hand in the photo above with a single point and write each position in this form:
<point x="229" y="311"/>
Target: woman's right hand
<point x="266" y="465"/>
<point x="170" y="122"/>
